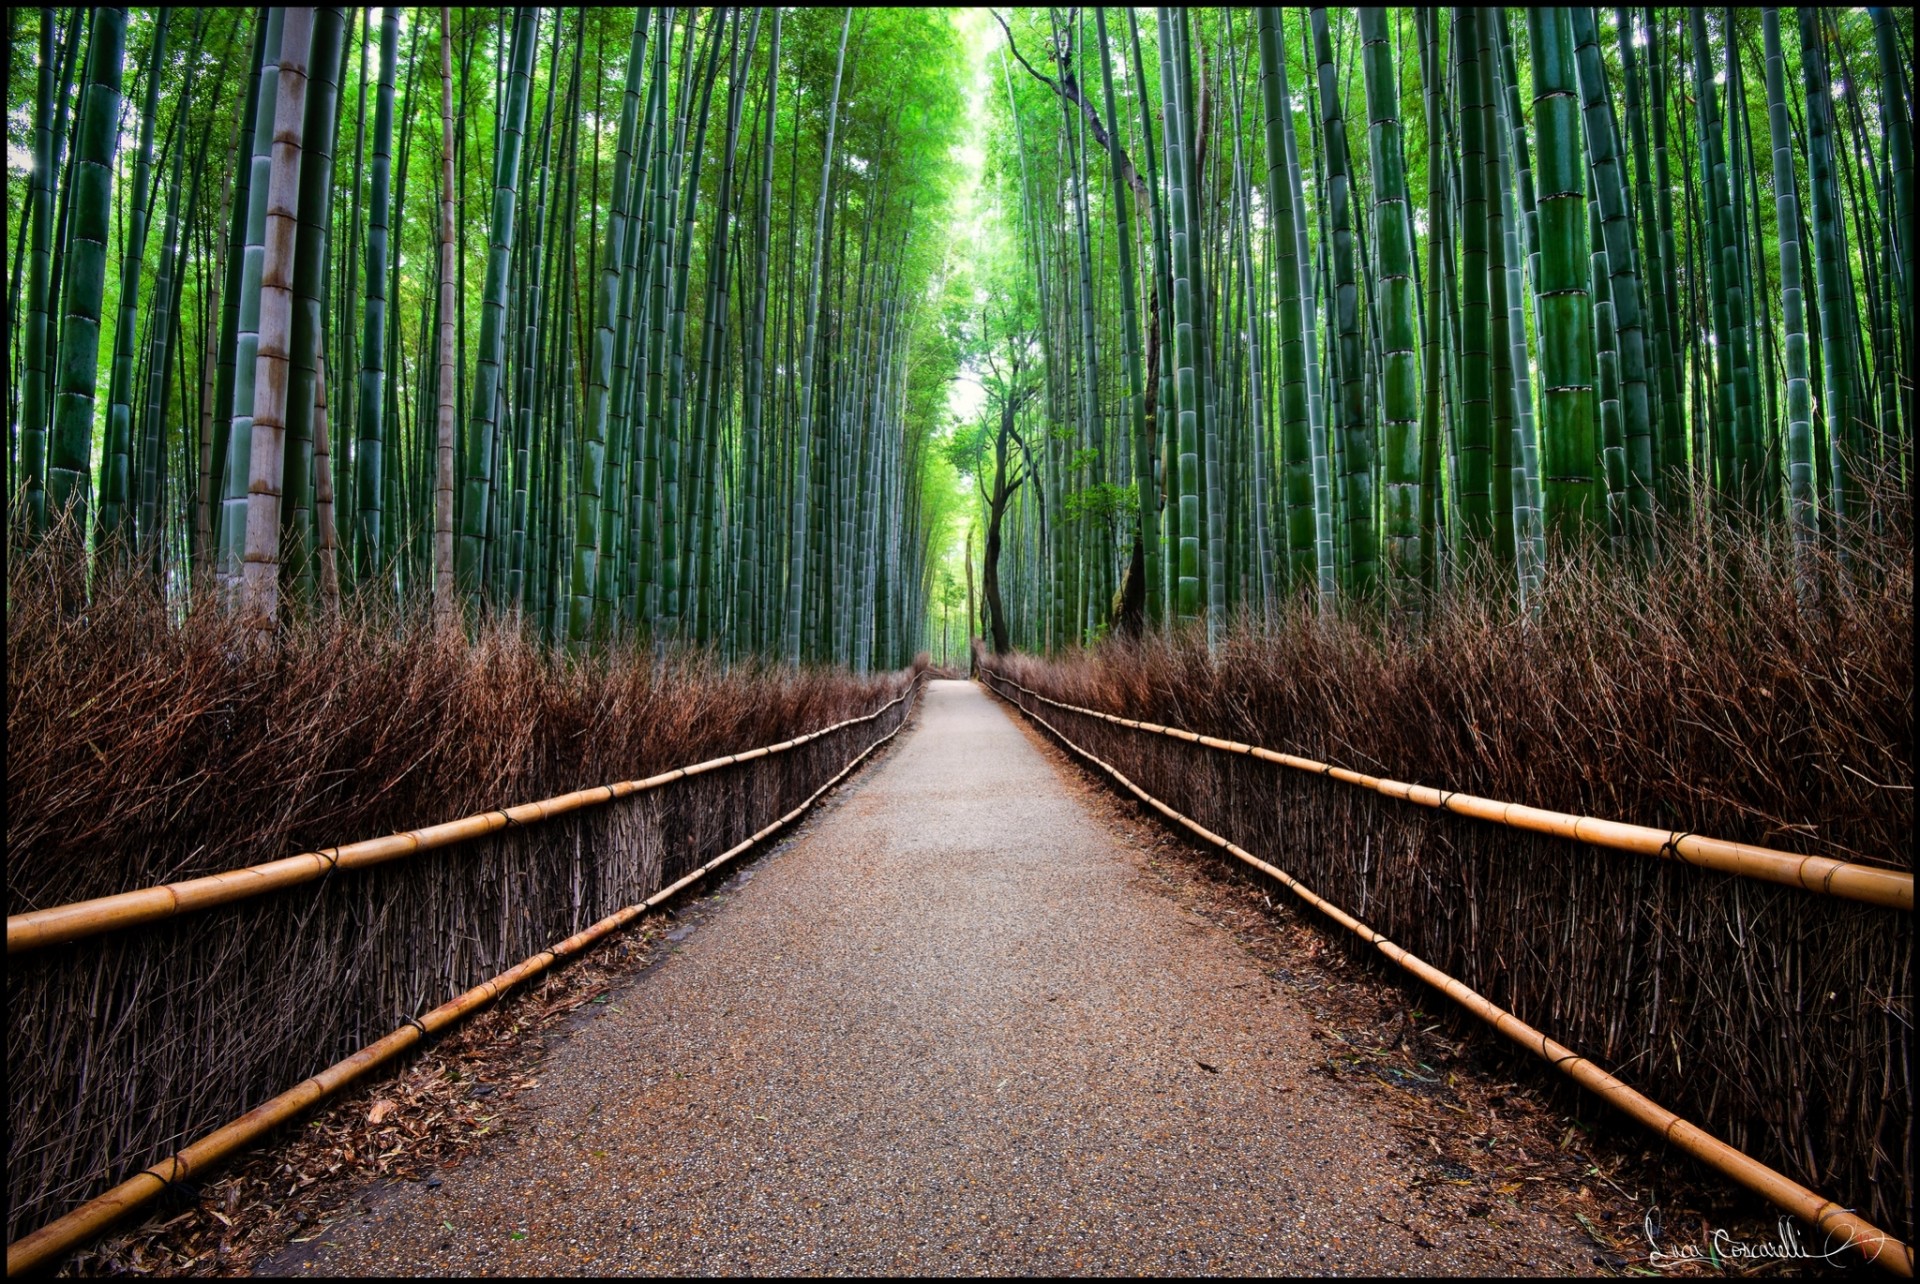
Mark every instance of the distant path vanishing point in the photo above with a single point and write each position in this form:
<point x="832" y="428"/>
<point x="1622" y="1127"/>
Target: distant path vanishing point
<point x="947" y="1030"/>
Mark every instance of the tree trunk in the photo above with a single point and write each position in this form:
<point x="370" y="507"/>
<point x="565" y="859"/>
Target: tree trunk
<point x="972" y="617"/>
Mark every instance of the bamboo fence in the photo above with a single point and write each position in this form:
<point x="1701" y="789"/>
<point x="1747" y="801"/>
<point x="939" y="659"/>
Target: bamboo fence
<point x="36" y="929"/>
<point x="1777" y="1018"/>
<point x="124" y="1043"/>
<point x="1869" y="884"/>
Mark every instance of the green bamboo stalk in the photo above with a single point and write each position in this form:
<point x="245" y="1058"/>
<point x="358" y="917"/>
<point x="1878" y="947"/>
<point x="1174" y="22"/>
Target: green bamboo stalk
<point x="370" y="459"/>
<point x="1430" y="431"/>
<point x="1159" y="363"/>
<point x="1835" y="316"/>
<point x="1187" y="490"/>
<point x="1896" y="107"/>
<point x="1567" y="443"/>
<point x="476" y="507"/>
<point x="588" y="499"/>
<point x="65" y="136"/>
<point x="534" y="319"/>
<point x="33" y="402"/>
<point x="1474" y="435"/>
<point x="69" y="458"/>
<point x="348" y="316"/>
<point x="1295" y="440"/>
<point x="1663" y="387"/>
<point x="1800" y="471"/>
<point x="309" y="287"/>
<point x="1729" y="338"/>
<point x="115" y="517"/>
<point x="1623" y="282"/>
<point x="1195" y="130"/>
<point x="326" y="537"/>
<point x="682" y="452"/>
<point x="711" y="390"/>
<point x="1393" y="239"/>
<point x="1877" y="236"/>
<point x="1504" y="459"/>
<point x="1516" y="396"/>
<point x="445" y="604"/>
<point x="751" y="603"/>
<point x="652" y="567"/>
<point x="1761" y="355"/>
<point x="160" y="330"/>
<point x="797" y="571"/>
<point x="1526" y="231"/>
<point x="1146" y="526"/>
<point x="1258" y="510"/>
<point x="1613" y="442"/>
<point x="1356" y="433"/>
<point x="1669" y="484"/>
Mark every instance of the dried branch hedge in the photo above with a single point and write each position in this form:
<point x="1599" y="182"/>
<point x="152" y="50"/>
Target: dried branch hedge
<point x="1706" y="695"/>
<point x="143" y="748"/>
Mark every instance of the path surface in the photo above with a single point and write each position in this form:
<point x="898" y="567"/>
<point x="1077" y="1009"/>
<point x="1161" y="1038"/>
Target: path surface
<point x="949" y="1030"/>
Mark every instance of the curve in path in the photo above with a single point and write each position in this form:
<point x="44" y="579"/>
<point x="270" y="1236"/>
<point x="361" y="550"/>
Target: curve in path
<point x="947" y="1030"/>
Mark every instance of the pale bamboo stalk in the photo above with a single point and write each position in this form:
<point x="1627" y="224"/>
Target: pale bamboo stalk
<point x="260" y="571"/>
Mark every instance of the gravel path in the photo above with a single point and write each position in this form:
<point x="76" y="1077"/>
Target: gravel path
<point x="948" y="1030"/>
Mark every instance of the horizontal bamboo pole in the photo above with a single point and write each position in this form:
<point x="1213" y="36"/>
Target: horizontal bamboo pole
<point x="1851" y="1231"/>
<point x="1870" y="884"/>
<point x="37" y="929"/>
<point x="91" y="1218"/>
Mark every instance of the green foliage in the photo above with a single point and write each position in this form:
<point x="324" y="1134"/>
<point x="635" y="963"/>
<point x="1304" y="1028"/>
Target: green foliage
<point x="967" y="159"/>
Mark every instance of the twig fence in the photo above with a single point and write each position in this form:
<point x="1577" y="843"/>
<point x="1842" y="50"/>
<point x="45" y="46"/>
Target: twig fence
<point x="123" y="1043"/>
<point x="1702" y="982"/>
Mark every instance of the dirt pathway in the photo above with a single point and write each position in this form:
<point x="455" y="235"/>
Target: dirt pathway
<point x="949" y="1030"/>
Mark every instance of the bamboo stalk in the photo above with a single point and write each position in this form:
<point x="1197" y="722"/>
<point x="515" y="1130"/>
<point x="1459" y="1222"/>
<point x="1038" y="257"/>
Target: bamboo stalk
<point x="91" y="1218"/>
<point x="1866" y="883"/>
<point x="62" y="923"/>
<point x="1873" y="1244"/>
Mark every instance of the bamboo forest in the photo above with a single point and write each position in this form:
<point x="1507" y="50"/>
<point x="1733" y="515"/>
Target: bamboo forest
<point x="1454" y="462"/>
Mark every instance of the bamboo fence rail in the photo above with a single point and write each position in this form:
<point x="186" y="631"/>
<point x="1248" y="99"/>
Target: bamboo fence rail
<point x="1869" y="884"/>
<point x="37" y="929"/>
<point x="41" y="1246"/>
<point x="1873" y="1244"/>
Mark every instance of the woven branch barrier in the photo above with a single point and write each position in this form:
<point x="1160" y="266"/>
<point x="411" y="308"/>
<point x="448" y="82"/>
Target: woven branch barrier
<point x="1777" y="1018"/>
<point x="62" y="923"/>
<point x="1870" y="884"/>
<point x="124" y="1044"/>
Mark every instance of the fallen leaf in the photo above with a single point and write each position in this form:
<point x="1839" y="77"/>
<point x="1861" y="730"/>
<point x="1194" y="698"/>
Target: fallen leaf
<point x="1593" y="1232"/>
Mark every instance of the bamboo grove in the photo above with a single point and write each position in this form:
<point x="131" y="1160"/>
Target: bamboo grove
<point x="607" y="321"/>
<point x="1372" y="305"/>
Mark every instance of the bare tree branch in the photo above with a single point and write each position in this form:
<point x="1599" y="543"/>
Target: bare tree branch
<point x="1068" y="87"/>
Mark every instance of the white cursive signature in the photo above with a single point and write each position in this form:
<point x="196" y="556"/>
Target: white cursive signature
<point x="1721" y="1246"/>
